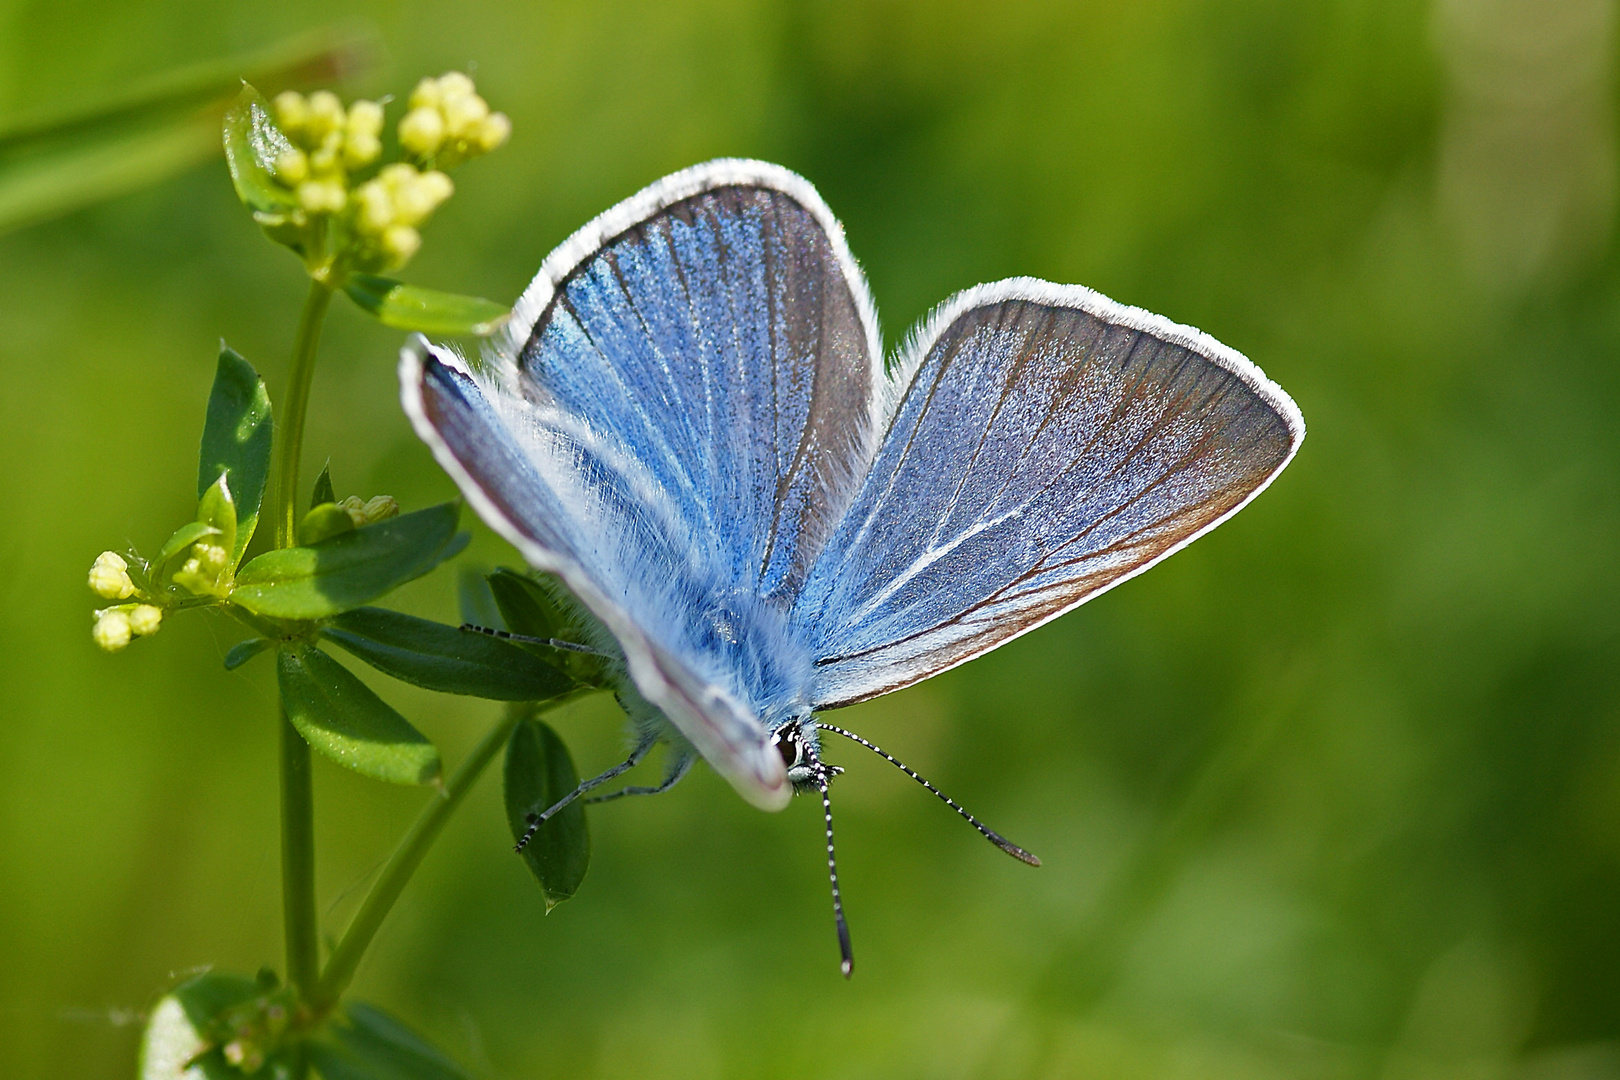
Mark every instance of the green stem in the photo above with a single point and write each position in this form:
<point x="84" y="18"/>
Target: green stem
<point x="297" y="789"/>
<point x="403" y="862"/>
<point x="295" y="406"/>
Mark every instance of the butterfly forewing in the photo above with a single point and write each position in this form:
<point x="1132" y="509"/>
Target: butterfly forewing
<point x="682" y="410"/>
<point x="1049" y="444"/>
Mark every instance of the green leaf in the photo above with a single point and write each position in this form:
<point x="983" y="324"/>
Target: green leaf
<point x="243" y="651"/>
<point x="539" y="771"/>
<point x="365" y="1043"/>
<point x="60" y="159"/>
<point x="547" y="610"/>
<point x="323" y="488"/>
<point x="406" y="307"/>
<point x="236" y="442"/>
<point x="477" y="603"/>
<point x="183" y="1028"/>
<point x="348" y="570"/>
<point x="181" y="541"/>
<point x="338" y="715"/>
<point x="217" y="510"/>
<point x="322" y="522"/>
<point x="439" y="657"/>
<point x="253" y="142"/>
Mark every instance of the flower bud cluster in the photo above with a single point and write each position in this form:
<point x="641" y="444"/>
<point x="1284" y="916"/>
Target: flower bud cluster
<point x="116" y="626"/>
<point x="328" y="143"/>
<point x="448" y="122"/>
<point x="109" y="577"/>
<point x="377" y="508"/>
<point x="388" y="209"/>
<point x="203" y="569"/>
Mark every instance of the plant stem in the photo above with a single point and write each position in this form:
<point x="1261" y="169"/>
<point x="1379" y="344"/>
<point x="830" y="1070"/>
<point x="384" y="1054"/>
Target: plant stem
<point x="403" y="862"/>
<point x="297" y="789"/>
<point x="293" y="410"/>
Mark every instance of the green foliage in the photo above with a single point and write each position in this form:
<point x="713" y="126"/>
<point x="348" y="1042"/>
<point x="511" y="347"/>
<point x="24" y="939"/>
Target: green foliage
<point x="243" y="651"/>
<point x="323" y="492"/>
<point x="190" y="1032"/>
<point x="322" y="522"/>
<point x="444" y="658"/>
<point x="236" y="443"/>
<point x="407" y="307"/>
<point x="351" y="569"/>
<point x="546" y="610"/>
<point x="339" y="716"/>
<point x="539" y="771"/>
<point x="57" y="161"/>
<point x="365" y="1043"/>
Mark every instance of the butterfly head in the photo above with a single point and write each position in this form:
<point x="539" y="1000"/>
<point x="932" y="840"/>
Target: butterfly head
<point x="796" y="741"/>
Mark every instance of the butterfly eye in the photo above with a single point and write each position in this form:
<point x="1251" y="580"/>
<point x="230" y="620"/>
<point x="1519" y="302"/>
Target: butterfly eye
<point x="787" y="744"/>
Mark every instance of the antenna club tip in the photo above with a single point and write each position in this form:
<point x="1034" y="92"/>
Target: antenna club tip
<point x="847" y="967"/>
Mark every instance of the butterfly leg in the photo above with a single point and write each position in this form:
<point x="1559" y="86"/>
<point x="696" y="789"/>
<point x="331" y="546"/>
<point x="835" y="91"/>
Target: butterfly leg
<point x="643" y="748"/>
<point x="676" y="773"/>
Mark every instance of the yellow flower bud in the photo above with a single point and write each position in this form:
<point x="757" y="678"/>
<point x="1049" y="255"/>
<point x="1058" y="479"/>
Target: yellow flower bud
<point x="325" y="116"/>
<point x="292" y="167"/>
<point x="421" y="131"/>
<point x="400" y="242"/>
<point x="436" y="185"/>
<point x="212" y="557"/>
<point x="379" y="508"/>
<point x="144" y="619"/>
<point x="426" y="94"/>
<point x="455" y="84"/>
<point x="397" y="175"/>
<point x="112" y="630"/>
<point x="325" y="158"/>
<point x="292" y="112"/>
<point x="413" y="202"/>
<point x="109" y="577"/>
<point x="321" y="196"/>
<point x="360" y="149"/>
<point x="374" y="208"/>
<point x="463" y="114"/>
<point x="365" y="118"/>
<point x="493" y="132"/>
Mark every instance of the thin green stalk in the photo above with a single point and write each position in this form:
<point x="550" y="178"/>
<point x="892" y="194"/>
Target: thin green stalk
<point x="297" y="789"/>
<point x="403" y="862"/>
<point x="294" y="407"/>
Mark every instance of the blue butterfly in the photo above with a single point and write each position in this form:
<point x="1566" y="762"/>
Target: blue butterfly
<point x="689" y="422"/>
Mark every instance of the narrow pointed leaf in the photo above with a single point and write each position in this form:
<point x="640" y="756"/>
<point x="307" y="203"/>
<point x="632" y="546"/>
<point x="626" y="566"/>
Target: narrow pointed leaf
<point x="217" y="510"/>
<point x="338" y="715"/>
<point x="253" y="142"/>
<point x="181" y="540"/>
<point x="348" y="570"/>
<point x="236" y="442"/>
<point x="323" y="488"/>
<point x="365" y="1043"/>
<point x="539" y="771"/>
<point x="406" y="307"/>
<point x="477" y="603"/>
<point x="533" y="609"/>
<point x="445" y="658"/>
<point x="243" y="651"/>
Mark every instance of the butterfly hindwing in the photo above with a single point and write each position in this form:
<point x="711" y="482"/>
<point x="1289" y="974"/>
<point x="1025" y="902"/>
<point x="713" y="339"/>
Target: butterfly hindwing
<point x="1046" y="444"/>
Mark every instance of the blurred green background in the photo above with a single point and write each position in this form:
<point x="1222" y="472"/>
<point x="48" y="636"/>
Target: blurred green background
<point x="1334" y="793"/>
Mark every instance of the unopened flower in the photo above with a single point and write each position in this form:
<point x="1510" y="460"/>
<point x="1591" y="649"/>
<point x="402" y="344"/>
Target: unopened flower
<point x="448" y="122"/>
<point x="200" y="574"/>
<point x="112" y="630"/>
<point x="375" y="509"/>
<point x="144" y="619"/>
<point x="109" y="577"/>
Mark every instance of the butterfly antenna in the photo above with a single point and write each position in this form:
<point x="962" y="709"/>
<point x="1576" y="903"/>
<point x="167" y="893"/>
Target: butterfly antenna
<point x="847" y="965"/>
<point x="989" y="834"/>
